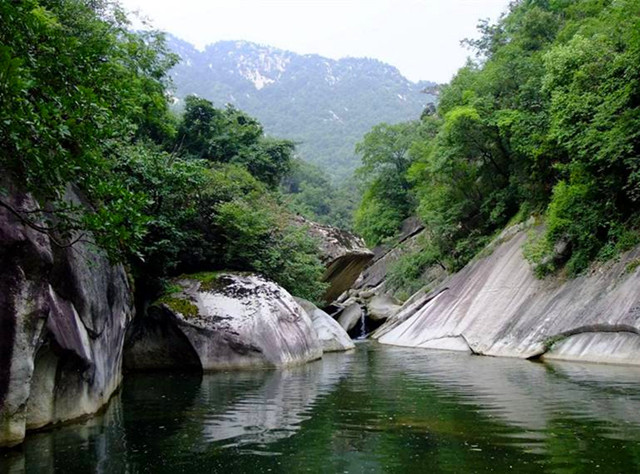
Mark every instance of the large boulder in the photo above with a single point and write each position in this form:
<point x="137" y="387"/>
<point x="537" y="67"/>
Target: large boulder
<point x="350" y="316"/>
<point x="63" y="316"/>
<point x="223" y="321"/>
<point x="332" y="336"/>
<point x="496" y="306"/>
<point x="382" y="307"/>
<point x="343" y="254"/>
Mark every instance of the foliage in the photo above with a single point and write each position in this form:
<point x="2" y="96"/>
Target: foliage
<point x="231" y="136"/>
<point x="405" y="275"/>
<point x="308" y="190"/>
<point x="73" y="83"/>
<point x="84" y="105"/>
<point x="324" y="105"/>
<point x="265" y="242"/>
<point x="546" y="119"/>
<point x="207" y="216"/>
<point x="386" y="157"/>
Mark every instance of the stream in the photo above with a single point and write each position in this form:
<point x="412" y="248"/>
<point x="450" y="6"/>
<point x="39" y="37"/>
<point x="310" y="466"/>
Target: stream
<point x="377" y="409"/>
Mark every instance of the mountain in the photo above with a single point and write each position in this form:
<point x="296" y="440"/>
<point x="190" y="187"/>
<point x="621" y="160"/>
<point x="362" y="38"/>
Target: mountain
<point x="324" y="105"/>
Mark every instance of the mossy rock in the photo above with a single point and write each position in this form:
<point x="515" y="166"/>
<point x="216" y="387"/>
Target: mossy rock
<point x="632" y="266"/>
<point x="180" y="305"/>
<point x="212" y="281"/>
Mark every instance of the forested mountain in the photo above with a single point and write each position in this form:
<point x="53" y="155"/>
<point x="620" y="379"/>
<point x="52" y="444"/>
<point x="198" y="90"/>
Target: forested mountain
<point x="324" y="105"/>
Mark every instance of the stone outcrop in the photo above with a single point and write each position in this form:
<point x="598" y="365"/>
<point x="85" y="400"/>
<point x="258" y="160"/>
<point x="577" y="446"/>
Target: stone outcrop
<point x="350" y="316"/>
<point x="361" y="312"/>
<point x="385" y="255"/>
<point x="223" y="321"/>
<point x="332" y="336"/>
<point x="371" y="301"/>
<point x="63" y="316"/>
<point x="496" y="306"/>
<point x="343" y="254"/>
<point x="382" y="307"/>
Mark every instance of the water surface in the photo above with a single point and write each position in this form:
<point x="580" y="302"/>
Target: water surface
<point x="378" y="409"/>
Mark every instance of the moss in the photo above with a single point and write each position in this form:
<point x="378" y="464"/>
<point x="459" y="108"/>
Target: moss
<point x="172" y="289"/>
<point x="210" y="281"/>
<point x="180" y="305"/>
<point x="632" y="266"/>
<point x="551" y="341"/>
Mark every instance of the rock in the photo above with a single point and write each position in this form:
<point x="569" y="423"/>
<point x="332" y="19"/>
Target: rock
<point x="332" y="336"/>
<point x="496" y="306"/>
<point x="385" y="255"/>
<point x="350" y="316"/>
<point x="223" y="321"/>
<point x="63" y="316"/>
<point x="382" y="307"/>
<point x="344" y="255"/>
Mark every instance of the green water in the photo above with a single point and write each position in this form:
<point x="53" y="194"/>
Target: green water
<point x="378" y="409"/>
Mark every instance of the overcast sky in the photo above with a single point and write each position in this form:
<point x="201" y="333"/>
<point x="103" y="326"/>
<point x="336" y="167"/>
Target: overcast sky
<point x="420" y="37"/>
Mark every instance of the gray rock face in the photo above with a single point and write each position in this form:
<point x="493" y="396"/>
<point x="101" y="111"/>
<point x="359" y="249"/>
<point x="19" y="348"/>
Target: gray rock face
<point x="350" y="316"/>
<point x="344" y="255"/>
<point x="385" y="255"/>
<point x="495" y="306"/>
<point x="63" y="315"/>
<point x="226" y="321"/>
<point x="332" y="336"/>
<point x="382" y="307"/>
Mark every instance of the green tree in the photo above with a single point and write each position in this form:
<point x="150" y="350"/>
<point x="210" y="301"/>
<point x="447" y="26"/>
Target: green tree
<point x="231" y="136"/>
<point x="74" y="83"/>
<point x="386" y="158"/>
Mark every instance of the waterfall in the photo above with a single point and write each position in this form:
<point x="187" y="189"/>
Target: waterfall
<point x="363" y="324"/>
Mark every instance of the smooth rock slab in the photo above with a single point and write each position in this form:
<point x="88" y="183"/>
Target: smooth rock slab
<point x="332" y="336"/>
<point x="224" y="321"/>
<point x="496" y="306"/>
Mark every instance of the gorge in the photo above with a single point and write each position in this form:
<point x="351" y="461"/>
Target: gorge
<point x="181" y="291"/>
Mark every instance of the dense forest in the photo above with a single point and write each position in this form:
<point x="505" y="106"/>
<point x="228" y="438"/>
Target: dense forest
<point x="85" y="104"/>
<point x="545" y="121"/>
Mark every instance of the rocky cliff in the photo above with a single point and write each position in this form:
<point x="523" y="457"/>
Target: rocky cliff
<point x="63" y="315"/>
<point x="496" y="306"/>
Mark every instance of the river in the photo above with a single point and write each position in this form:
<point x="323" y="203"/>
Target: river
<point x="377" y="409"/>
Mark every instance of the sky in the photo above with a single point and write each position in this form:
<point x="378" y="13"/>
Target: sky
<point x="419" y="37"/>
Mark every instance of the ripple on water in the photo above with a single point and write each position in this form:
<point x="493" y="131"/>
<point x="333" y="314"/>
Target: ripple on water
<point x="378" y="409"/>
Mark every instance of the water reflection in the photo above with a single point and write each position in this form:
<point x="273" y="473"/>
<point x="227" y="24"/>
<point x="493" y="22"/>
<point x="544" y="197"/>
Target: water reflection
<point x="523" y="393"/>
<point x="380" y="409"/>
<point x="273" y="405"/>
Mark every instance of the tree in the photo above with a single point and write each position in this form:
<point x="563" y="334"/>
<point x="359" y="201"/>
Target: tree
<point x="74" y="83"/>
<point x="231" y="136"/>
<point x="386" y="158"/>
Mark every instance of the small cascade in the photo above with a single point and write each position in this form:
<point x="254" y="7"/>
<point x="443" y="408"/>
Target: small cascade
<point x="363" y="324"/>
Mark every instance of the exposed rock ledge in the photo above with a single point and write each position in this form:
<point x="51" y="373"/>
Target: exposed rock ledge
<point x="343" y="254"/>
<point x="495" y="306"/>
<point x="223" y="321"/>
<point x="63" y="315"/>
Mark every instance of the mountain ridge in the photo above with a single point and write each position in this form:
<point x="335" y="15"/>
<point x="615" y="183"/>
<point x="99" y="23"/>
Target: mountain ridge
<point x="324" y="105"/>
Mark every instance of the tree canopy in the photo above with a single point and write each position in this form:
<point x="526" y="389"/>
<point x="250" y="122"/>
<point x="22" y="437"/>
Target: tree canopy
<point x="546" y="121"/>
<point x="85" y="105"/>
